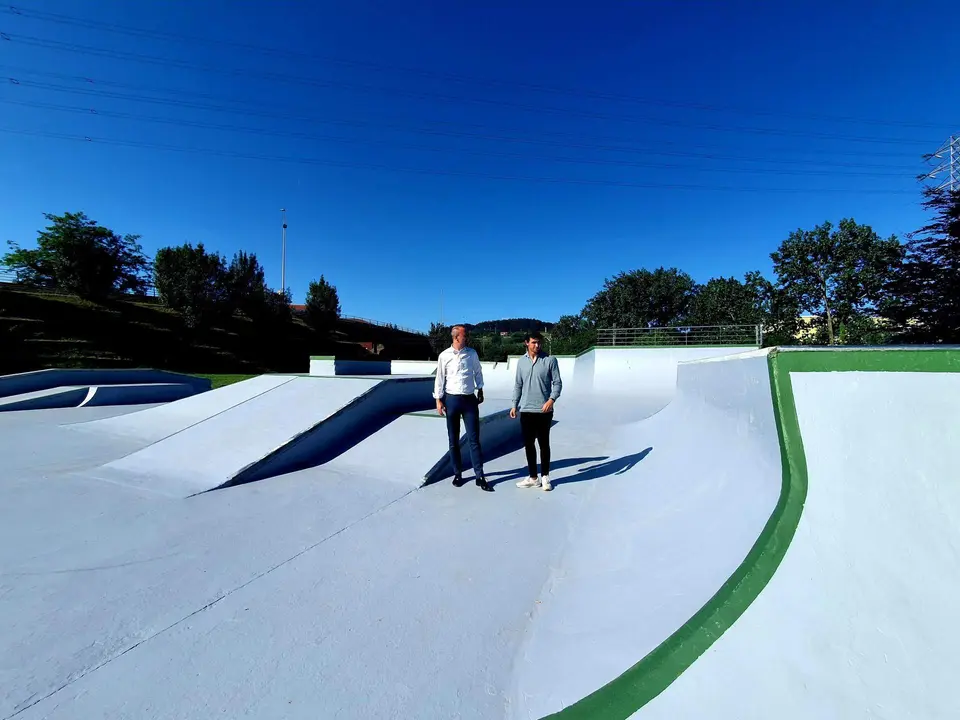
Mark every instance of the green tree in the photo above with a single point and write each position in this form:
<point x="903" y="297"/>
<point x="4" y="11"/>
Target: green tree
<point x="725" y="301"/>
<point x="836" y="274"/>
<point x="923" y="300"/>
<point x="247" y="287"/>
<point x="571" y="334"/>
<point x="642" y="298"/>
<point x="78" y="255"/>
<point x="323" y="304"/>
<point x="778" y="312"/>
<point x="439" y="337"/>
<point x="193" y="282"/>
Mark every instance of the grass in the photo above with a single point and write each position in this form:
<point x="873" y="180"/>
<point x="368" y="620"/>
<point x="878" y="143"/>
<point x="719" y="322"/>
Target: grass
<point x="42" y="331"/>
<point x="218" y="381"/>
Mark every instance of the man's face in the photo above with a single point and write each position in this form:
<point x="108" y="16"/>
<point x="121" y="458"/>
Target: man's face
<point x="461" y="338"/>
<point x="533" y="345"/>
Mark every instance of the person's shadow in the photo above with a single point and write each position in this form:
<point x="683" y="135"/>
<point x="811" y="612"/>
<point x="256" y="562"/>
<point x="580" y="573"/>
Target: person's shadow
<point x="602" y="467"/>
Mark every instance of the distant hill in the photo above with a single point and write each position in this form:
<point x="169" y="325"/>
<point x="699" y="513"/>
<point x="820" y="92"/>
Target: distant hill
<point x="510" y="325"/>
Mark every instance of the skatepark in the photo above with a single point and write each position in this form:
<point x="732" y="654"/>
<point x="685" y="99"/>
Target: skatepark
<point x="732" y="533"/>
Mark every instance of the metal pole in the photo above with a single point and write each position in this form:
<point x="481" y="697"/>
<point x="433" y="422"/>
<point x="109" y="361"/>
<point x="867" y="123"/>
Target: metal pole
<point x="283" y="251"/>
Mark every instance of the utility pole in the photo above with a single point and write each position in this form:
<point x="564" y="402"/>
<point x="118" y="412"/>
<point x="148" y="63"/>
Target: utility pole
<point x="949" y="156"/>
<point x="441" y="307"/>
<point x="283" y="251"/>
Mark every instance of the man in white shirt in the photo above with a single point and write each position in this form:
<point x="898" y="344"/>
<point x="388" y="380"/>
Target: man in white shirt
<point x="459" y="375"/>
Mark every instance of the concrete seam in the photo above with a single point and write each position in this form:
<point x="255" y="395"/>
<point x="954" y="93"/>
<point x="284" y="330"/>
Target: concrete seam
<point x="210" y="604"/>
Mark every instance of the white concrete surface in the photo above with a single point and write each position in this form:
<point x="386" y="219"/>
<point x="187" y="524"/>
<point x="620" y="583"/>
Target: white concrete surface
<point x="859" y="620"/>
<point x="343" y="591"/>
<point x="157" y="423"/>
<point x="692" y="488"/>
<point x="239" y="440"/>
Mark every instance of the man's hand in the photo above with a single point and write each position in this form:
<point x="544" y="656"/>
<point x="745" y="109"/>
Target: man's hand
<point x="547" y="406"/>
<point x="480" y="395"/>
<point x="440" y="408"/>
<point x="513" y="413"/>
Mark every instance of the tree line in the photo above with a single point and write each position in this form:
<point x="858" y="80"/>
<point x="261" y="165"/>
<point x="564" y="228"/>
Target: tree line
<point x="78" y="255"/>
<point x="833" y="284"/>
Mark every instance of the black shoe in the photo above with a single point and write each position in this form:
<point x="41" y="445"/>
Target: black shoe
<point x="483" y="485"/>
<point x="458" y="481"/>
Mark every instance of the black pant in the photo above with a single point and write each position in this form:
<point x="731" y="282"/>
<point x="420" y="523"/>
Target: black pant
<point x="536" y="429"/>
<point x="467" y="407"/>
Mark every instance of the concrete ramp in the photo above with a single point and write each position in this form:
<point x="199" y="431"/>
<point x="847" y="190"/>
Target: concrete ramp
<point x="157" y="423"/>
<point x="301" y="422"/>
<point x="413" y="449"/>
<point x="97" y="396"/>
<point x="659" y="539"/>
<point x="47" y="379"/>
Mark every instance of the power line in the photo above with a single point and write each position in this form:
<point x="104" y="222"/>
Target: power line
<point x="293" y="114"/>
<point x="903" y="171"/>
<point x="313" y="82"/>
<point x="437" y="172"/>
<point x="131" y="31"/>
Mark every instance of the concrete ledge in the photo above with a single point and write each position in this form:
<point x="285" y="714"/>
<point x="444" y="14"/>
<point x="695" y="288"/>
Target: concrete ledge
<point x="37" y="380"/>
<point x="96" y="396"/>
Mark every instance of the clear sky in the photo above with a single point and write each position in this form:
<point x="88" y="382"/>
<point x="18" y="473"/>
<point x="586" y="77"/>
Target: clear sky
<point x="511" y="155"/>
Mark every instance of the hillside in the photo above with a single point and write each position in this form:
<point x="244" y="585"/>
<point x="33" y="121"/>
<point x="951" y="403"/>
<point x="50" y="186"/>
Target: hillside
<point x="39" y="331"/>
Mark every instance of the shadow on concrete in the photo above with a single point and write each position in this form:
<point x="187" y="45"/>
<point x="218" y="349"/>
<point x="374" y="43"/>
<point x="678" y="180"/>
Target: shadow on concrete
<point x="495" y="478"/>
<point x="499" y="435"/>
<point x="617" y="466"/>
<point x="602" y="467"/>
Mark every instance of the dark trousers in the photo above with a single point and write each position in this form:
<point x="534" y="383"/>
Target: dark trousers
<point x="536" y="429"/>
<point x="467" y="407"/>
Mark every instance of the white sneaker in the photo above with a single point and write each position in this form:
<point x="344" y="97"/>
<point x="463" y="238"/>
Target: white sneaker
<point x="545" y="483"/>
<point x="528" y="482"/>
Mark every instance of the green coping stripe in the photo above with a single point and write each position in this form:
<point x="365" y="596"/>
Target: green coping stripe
<point x="623" y="696"/>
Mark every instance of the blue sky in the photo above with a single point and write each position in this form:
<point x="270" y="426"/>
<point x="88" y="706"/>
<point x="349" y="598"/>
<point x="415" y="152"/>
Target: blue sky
<point x="509" y="155"/>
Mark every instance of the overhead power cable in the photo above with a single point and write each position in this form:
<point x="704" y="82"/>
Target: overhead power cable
<point x="454" y="173"/>
<point x="359" y="123"/>
<point x="92" y="87"/>
<point x="314" y="82"/>
<point x="859" y="170"/>
<point x="130" y="31"/>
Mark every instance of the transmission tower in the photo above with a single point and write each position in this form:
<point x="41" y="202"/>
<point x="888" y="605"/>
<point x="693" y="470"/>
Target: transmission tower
<point x="948" y="159"/>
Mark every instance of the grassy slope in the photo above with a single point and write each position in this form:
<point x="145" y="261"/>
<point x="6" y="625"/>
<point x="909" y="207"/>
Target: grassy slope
<point x="38" y="331"/>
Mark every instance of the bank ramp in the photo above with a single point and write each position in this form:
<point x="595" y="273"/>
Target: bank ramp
<point x="288" y="424"/>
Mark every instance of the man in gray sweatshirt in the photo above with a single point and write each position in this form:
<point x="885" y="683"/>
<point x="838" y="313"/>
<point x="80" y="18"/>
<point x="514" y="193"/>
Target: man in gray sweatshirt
<point x="536" y="388"/>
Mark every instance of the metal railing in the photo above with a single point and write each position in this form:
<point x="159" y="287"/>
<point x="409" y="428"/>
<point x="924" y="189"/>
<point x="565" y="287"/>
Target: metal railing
<point x="702" y="335"/>
<point x="378" y="323"/>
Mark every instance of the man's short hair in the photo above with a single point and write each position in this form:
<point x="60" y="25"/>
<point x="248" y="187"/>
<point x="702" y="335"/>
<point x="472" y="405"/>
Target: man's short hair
<point x="533" y="335"/>
<point x="453" y="330"/>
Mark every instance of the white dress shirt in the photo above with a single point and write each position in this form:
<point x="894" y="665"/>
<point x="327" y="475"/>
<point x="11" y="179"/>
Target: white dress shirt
<point x="458" y="373"/>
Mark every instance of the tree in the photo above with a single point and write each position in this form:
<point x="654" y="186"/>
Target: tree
<point x="323" y="304"/>
<point x="247" y="285"/>
<point x="571" y="334"/>
<point x="777" y="311"/>
<point x="725" y="301"/>
<point x="924" y="298"/>
<point x="439" y="337"/>
<point x="76" y="254"/>
<point x="642" y="298"/>
<point x="194" y="282"/>
<point x="836" y="275"/>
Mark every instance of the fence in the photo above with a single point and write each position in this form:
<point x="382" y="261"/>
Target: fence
<point x="703" y="335"/>
<point x="392" y="326"/>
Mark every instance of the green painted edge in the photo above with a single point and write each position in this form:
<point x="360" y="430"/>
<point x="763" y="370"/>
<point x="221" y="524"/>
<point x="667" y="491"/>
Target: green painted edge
<point x="641" y="683"/>
<point x="323" y="357"/>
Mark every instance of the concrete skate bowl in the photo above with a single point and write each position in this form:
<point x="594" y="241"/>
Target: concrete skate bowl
<point x="694" y="581"/>
<point x="56" y="388"/>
